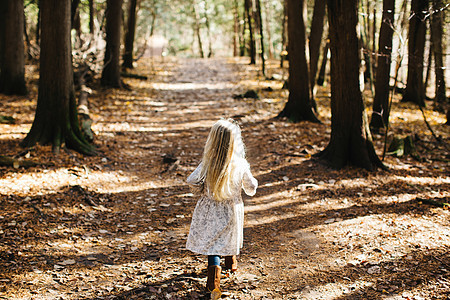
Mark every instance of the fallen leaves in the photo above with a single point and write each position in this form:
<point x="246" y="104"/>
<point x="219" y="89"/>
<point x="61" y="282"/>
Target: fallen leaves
<point x="115" y="226"/>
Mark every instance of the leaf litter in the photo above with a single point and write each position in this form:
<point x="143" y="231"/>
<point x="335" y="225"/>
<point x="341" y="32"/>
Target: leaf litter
<point x="114" y="226"/>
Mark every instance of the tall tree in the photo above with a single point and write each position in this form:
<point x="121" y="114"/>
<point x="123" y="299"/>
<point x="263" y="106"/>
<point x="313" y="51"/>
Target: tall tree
<point x="236" y="38"/>
<point x="197" y="28"/>
<point x="261" y="35"/>
<point x="283" y="33"/>
<point x="315" y="38"/>
<point x="12" y="52"/>
<point x="269" y="16"/>
<point x="91" y="16"/>
<point x="129" y="35"/>
<point x="437" y="22"/>
<point x="56" y="118"/>
<point x="350" y="141"/>
<point x="111" y="63"/>
<point x="414" y="91"/>
<point x="208" y="28"/>
<point x="298" y="107"/>
<point x="380" y="115"/>
<point x="323" y="64"/>
<point x="248" y="4"/>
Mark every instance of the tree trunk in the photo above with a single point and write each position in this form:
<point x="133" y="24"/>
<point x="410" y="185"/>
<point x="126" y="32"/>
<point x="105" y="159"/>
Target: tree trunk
<point x="76" y="24"/>
<point x="235" y="29"/>
<point x="283" y="33"/>
<point x="241" y="30"/>
<point x="197" y="28"/>
<point x="429" y="60"/>
<point x="12" y="52"/>
<point x="111" y="63"/>
<point x="129" y="35"/>
<point x="380" y="114"/>
<point x="91" y="16"/>
<point x="315" y="38"/>
<point x="208" y="29"/>
<point x="248" y="13"/>
<point x="437" y="23"/>
<point x="38" y="23"/>
<point x="323" y="65"/>
<point x="298" y="107"/>
<point x="56" y="120"/>
<point x="261" y="35"/>
<point x="350" y="141"/>
<point x="73" y="12"/>
<point x="414" y="91"/>
<point x="268" y="31"/>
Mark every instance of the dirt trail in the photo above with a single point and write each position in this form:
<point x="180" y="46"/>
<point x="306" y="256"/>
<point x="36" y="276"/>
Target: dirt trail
<point x="115" y="226"/>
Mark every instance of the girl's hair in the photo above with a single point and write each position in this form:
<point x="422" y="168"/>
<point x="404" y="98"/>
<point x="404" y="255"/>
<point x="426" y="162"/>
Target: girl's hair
<point x="223" y="149"/>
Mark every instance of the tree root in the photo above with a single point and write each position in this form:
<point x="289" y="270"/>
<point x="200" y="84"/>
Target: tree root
<point x="6" y="161"/>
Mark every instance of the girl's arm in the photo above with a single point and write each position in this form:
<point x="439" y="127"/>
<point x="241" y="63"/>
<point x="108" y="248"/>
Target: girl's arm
<point x="194" y="177"/>
<point x="249" y="183"/>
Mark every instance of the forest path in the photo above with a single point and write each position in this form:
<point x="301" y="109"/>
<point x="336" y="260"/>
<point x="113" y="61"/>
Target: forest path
<point x="114" y="226"/>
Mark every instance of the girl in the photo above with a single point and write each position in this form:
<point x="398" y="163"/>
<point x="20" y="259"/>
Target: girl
<point x="218" y="220"/>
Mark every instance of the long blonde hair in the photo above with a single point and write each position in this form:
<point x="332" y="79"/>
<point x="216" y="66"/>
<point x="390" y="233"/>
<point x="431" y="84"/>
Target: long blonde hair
<point x="224" y="147"/>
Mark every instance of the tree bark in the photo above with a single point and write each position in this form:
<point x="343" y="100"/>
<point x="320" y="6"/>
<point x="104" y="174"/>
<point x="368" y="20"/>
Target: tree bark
<point x="248" y="13"/>
<point x="91" y="16"/>
<point x="111" y="63"/>
<point x="12" y="52"/>
<point x="437" y="17"/>
<point x="380" y="114"/>
<point x="269" y="17"/>
<point x="208" y="29"/>
<point x="283" y="33"/>
<point x="261" y="35"/>
<point x="298" y="107"/>
<point x="129" y="35"/>
<point x="315" y="38"/>
<point x="235" y="28"/>
<point x="73" y="11"/>
<point x="350" y="141"/>
<point x="197" y="28"/>
<point x="323" y="65"/>
<point x="56" y="120"/>
<point x="414" y="91"/>
<point x="38" y="23"/>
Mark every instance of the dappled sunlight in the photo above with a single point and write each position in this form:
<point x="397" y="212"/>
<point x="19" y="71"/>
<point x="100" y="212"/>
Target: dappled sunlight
<point x="335" y="290"/>
<point x="186" y="86"/>
<point x="50" y="181"/>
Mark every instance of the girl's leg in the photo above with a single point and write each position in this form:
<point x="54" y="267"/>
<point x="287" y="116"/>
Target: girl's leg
<point x="231" y="263"/>
<point x="214" y="272"/>
<point x="213" y="260"/>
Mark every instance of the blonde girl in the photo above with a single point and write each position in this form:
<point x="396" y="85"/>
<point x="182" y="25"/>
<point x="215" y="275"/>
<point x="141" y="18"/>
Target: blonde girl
<point x="218" y="219"/>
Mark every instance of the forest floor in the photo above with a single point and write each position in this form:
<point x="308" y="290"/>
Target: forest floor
<point x="114" y="226"/>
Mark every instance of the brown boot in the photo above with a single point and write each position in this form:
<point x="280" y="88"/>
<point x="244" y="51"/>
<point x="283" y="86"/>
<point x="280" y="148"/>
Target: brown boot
<point x="213" y="282"/>
<point x="231" y="263"/>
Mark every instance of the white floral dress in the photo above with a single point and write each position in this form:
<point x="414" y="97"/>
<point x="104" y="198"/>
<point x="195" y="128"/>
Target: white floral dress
<point x="217" y="227"/>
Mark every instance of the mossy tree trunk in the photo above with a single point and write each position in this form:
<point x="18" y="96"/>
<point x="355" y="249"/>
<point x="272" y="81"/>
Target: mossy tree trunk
<point x="12" y="59"/>
<point x="298" y="107"/>
<point x="350" y="141"/>
<point x="56" y="119"/>
<point x="380" y="115"/>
